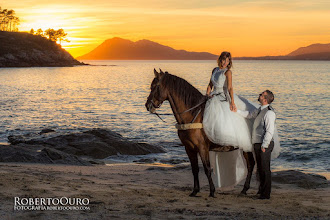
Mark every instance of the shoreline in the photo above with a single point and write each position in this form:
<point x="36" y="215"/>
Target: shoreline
<point x="150" y="191"/>
<point x="109" y="162"/>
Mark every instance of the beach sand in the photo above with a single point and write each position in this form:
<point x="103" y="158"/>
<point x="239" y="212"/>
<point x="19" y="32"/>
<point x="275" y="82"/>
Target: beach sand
<point x="149" y="191"/>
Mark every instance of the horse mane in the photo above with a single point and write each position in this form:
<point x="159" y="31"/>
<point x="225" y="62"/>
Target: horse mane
<point x="183" y="89"/>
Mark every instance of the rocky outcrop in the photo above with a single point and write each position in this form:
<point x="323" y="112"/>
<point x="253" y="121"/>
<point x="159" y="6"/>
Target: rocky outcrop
<point x="303" y="180"/>
<point x="18" y="49"/>
<point x="95" y="143"/>
<point x="38" y="154"/>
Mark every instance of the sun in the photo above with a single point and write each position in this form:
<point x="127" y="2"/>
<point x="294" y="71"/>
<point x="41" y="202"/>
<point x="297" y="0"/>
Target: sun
<point x="55" y="17"/>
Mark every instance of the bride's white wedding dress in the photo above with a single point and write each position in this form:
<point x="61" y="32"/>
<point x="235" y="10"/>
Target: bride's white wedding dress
<point x="227" y="128"/>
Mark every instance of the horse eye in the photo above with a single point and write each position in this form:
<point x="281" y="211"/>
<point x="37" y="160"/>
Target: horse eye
<point x="157" y="92"/>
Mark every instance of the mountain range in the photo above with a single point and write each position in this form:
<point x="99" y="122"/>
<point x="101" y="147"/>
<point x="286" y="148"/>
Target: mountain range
<point x="311" y="52"/>
<point x="122" y="49"/>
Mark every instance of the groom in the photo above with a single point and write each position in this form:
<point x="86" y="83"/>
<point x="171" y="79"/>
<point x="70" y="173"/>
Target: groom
<point x="262" y="139"/>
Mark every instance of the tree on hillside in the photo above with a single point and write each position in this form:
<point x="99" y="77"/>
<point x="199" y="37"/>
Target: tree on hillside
<point x="32" y="31"/>
<point x="60" y="34"/>
<point x="54" y="35"/>
<point x="51" y="33"/>
<point x="40" y="32"/>
<point x="8" y="20"/>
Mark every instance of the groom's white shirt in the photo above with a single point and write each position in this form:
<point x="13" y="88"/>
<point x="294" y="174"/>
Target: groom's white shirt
<point x="269" y="118"/>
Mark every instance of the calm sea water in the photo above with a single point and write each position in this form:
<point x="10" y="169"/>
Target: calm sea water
<point x="113" y="97"/>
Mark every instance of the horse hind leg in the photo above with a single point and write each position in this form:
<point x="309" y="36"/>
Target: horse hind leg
<point x="250" y="166"/>
<point x="195" y="169"/>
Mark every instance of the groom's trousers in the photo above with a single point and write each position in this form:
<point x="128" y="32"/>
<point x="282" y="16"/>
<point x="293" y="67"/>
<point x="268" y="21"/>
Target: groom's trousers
<point x="263" y="167"/>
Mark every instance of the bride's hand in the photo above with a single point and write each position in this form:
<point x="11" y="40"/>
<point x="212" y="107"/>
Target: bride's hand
<point x="233" y="107"/>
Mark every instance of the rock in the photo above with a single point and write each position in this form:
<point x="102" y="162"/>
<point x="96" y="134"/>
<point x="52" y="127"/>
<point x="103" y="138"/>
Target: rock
<point x="38" y="154"/>
<point x="146" y="160"/>
<point x="95" y="161"/>
<point x="46" y="130"/>
<point x="303" y="180"/>
<point x="95" y="143"/>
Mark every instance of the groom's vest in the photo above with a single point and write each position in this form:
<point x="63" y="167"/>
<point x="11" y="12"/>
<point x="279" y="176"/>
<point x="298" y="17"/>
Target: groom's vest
<point x="259" y="128"/>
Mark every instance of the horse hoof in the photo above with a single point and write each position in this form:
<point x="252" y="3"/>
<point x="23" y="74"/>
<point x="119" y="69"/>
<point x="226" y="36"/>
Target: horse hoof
<point x="243" y="192"/>
<point x="193" y="194"/>
<point x="212" y="195"/>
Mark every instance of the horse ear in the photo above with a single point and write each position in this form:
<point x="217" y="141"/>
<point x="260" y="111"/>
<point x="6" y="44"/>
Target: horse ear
<point x="157" y="75"/>
<point x="161" y="72"/>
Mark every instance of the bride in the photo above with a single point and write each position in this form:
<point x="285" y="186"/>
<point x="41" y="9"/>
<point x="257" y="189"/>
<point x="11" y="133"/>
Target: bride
<point x="225" y="127"/>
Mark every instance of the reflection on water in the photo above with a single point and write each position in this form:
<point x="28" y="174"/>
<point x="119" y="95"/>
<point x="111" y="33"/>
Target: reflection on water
<point x="79" y="98"/>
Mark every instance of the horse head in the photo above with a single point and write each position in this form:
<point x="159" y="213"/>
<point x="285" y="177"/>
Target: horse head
<point x="158" y="93"/>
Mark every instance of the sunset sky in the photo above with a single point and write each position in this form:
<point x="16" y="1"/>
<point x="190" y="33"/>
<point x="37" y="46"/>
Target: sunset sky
<point x="245" y="28"/>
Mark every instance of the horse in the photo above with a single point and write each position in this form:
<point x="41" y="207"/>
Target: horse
<point x="188" y="104"/>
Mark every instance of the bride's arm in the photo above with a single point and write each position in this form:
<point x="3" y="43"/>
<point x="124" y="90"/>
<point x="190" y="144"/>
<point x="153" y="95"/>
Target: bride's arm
<point x="209" y="88"/>
<point x="230" y="90"/>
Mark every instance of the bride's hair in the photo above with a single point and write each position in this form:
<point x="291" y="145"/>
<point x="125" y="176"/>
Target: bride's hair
<point x="223" y="56"/>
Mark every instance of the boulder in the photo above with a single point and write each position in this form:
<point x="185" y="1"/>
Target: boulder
<point x="37" y="154"/>
<point x="95" y="143"/>
<point x="303" y="180"/>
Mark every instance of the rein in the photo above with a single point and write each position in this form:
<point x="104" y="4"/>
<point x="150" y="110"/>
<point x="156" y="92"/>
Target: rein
<point x="190" y="109"/>
<point x="158" y="116"/>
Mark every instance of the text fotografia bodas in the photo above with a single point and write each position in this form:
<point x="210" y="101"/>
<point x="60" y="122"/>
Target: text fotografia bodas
<point x="45" y="204"/>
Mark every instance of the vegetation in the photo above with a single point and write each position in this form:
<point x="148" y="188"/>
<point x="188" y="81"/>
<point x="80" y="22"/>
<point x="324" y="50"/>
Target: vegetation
<point x="8" y="20"/>
<point x="51" y="34"/>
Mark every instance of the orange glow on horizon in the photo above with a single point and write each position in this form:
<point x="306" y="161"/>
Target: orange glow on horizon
<point x="245" y="28"/>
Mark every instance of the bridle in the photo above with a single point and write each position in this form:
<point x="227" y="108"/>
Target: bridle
<point x="158" y="106"/>
<point x="153" y="104"/>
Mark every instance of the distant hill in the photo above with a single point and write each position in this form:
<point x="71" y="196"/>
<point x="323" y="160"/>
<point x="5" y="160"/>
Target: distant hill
<point x="311" y="49"/>
<point x="18" y="49"/>
<point x="121" y="49"/>
<point x="311" y="52"/>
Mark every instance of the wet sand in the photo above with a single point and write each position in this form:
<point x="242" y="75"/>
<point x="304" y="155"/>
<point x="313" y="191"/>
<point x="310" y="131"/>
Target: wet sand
<point x="146" y="191"/>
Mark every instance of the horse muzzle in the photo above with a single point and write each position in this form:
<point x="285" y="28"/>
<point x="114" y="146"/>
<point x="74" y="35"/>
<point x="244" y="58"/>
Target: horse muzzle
<point x="151" y="107"/>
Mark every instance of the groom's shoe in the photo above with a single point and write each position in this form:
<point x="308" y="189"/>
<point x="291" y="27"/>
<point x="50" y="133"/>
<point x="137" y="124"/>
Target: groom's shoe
<point x="263" y="197"/>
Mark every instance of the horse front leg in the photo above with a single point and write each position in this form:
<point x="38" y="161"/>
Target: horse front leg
<point x="250" y="166"/>
<point x="195" y="169"/>
<point x="205" y="157"/>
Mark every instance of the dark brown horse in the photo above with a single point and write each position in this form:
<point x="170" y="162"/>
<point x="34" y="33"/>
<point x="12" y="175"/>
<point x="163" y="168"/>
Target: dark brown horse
<point x="183" y="97"/>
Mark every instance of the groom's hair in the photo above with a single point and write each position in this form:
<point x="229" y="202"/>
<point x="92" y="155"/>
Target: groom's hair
<point x="269" y="96"/>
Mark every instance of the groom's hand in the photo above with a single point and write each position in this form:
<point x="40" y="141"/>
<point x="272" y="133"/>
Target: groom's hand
<point x="263" y="149"/>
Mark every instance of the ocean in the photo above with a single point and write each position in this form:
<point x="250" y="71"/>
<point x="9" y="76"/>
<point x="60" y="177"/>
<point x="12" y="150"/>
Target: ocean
<point x="112" y="95"/>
